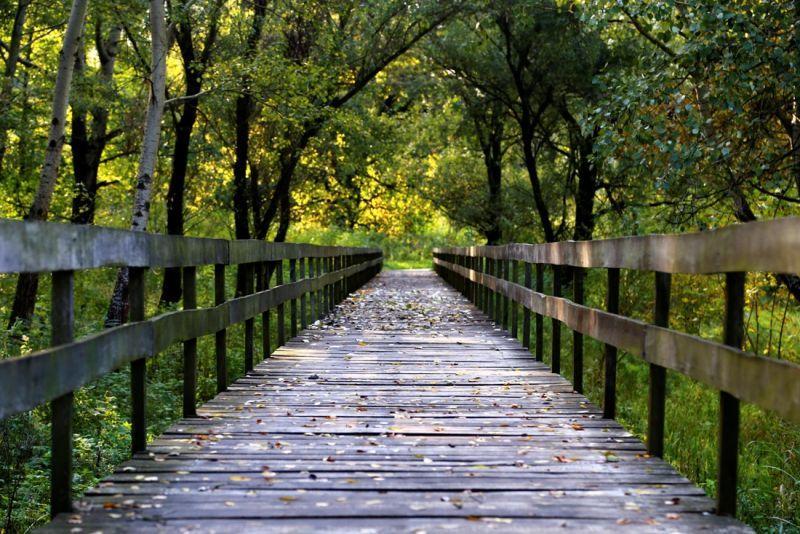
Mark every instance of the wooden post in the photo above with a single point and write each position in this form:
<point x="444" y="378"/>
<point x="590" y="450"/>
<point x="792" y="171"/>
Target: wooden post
<point x="610" y="388"/>
<point x="728" y="457"/>
<point x="312" y="297"/>
<point x="478" y="291"/>
<point x="526" y="313"/>
<point x="490" y="269"/>
<point x="281" y="307"/>
<point x="293" y="302"/>
<point x="539" y="317"/>
<point x="221" y="337"/>
<point x="328" y="269"/>
<point x="555" y="325"/>
<point x="189" y="346"/>
<point x="266" y="335"/>
<point x="514" y="305"/>
<point x="577" y="338"/>
<point x="62" y="322"/>
<point x="483" y="266"/>
<point x="658" y="375"/>
<point x="249" y="324"/>
<point x="303" y="316"/>
<point x="506" y="301"/>
<point x="136" y="300"/>
<point x="498" y="305"/>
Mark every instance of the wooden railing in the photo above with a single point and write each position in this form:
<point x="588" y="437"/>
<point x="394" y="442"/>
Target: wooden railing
<point x="319" y="277"/>
<point x="487" y="275"/>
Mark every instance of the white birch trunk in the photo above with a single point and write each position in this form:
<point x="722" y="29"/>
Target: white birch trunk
<point x="149" y="151"/>
<point x="152" y="124"/>
<point x="55" y="139"/>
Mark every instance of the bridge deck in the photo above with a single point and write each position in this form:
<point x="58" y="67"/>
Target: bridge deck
<point x="408" y="412"/>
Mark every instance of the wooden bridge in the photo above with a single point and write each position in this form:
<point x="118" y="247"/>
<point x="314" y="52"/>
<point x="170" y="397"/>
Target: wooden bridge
<point x="409" y="406"/>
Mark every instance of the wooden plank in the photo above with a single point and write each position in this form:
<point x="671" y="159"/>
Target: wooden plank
<point x="767" y="382"/>
<point x="410" y="423"/>
<point x="35" y="246"/>
<point x="761" y="246"/>
<point x="31" y="380"/>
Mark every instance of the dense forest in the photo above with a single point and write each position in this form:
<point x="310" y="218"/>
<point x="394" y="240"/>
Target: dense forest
<point x="404" y="125"/>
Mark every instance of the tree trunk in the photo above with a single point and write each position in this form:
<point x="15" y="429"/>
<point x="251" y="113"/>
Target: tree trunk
<point x="743" y="213"/>
<point x="88" y="146"/>
<point x="27" y="284"/>
<point x="530" y="160"/>
<point x="284" y="219"/>
<point x="9" y="72"/>
<point x="587" y="187"/>
<point x="244" y="108"/>
<point x="149" y="152"/>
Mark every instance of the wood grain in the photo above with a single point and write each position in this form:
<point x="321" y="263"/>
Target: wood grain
<point x="404" y="411"/>
<point x="767" y="382"/>
<point x="761" y="246"/>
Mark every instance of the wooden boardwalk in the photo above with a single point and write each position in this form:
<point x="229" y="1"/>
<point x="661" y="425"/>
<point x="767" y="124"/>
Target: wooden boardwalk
<point x="406" y="411"/>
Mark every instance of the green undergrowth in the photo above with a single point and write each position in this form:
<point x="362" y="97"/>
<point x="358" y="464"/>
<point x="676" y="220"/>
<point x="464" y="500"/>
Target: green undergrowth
<point x="769" y="460"/>
<point x="102" y="409"/>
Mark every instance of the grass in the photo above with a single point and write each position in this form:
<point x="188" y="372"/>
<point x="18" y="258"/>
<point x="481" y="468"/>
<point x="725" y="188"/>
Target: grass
<point x="769" y="495"/>
<point x="394" y="265"/>
<point x="769" y="455"/>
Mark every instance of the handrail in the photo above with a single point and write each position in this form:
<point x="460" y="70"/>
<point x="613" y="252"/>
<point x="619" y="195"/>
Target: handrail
<point x="319" y="276"/>
<point x="762" y="246"/>
<point x="489" y="276"/>
<point x="34" y="246"/>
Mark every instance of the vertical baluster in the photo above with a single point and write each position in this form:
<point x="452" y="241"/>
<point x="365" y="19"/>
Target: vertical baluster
<point x="496" y="312"/>
<point x="490" y="272"/>
<point x="293" y="303"/>
<point x="478" y="292"/>
<point x="577" y="337"/>
<point x="323" y="291"/>
<point x="555" y="325"/>
<point x="281" y="308"/>
<point x="332" y="286"/>
<point x="62" y="323"/>
<point x="303" y="310"/>
<point x="506" y="301"/>
<point x="312" y="297"/>
<point x="539" y="317"/>
<point x="526" y="312"/>
<point x="249" y="324"/>
<point x="136" y="296"/>
<point x="728" y="456"/>
<point x="338" y="287"/>
<point x="189" y="346"/>
<point x="514" y="305"/>
<point x="658" y="375"/>
<point x="266" y="334"/>
<point x="610" y="354"/>
<point x="487" y="294"/>
<point x="221" y="337"/>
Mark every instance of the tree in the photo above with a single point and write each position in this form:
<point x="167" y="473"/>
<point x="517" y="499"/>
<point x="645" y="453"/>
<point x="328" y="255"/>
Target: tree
<point x="27" y="284"/>
<point x="89" y="139"/>
<point x="195" y="64"/>
<point x="149" y="152"/>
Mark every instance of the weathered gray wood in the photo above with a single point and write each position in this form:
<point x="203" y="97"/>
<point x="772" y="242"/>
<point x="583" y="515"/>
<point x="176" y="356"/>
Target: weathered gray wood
<point x="62" y="323"/>
<point x="34" y="246"/>
<point x="739" y="373"/>
<point x="44" y="375"/>
<point x="136" y="300"/>
<point x="763" y="246"/>
<point x="189" y="346"/>
<point x="221" y="336"/>
<point x="394" y="425"/>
